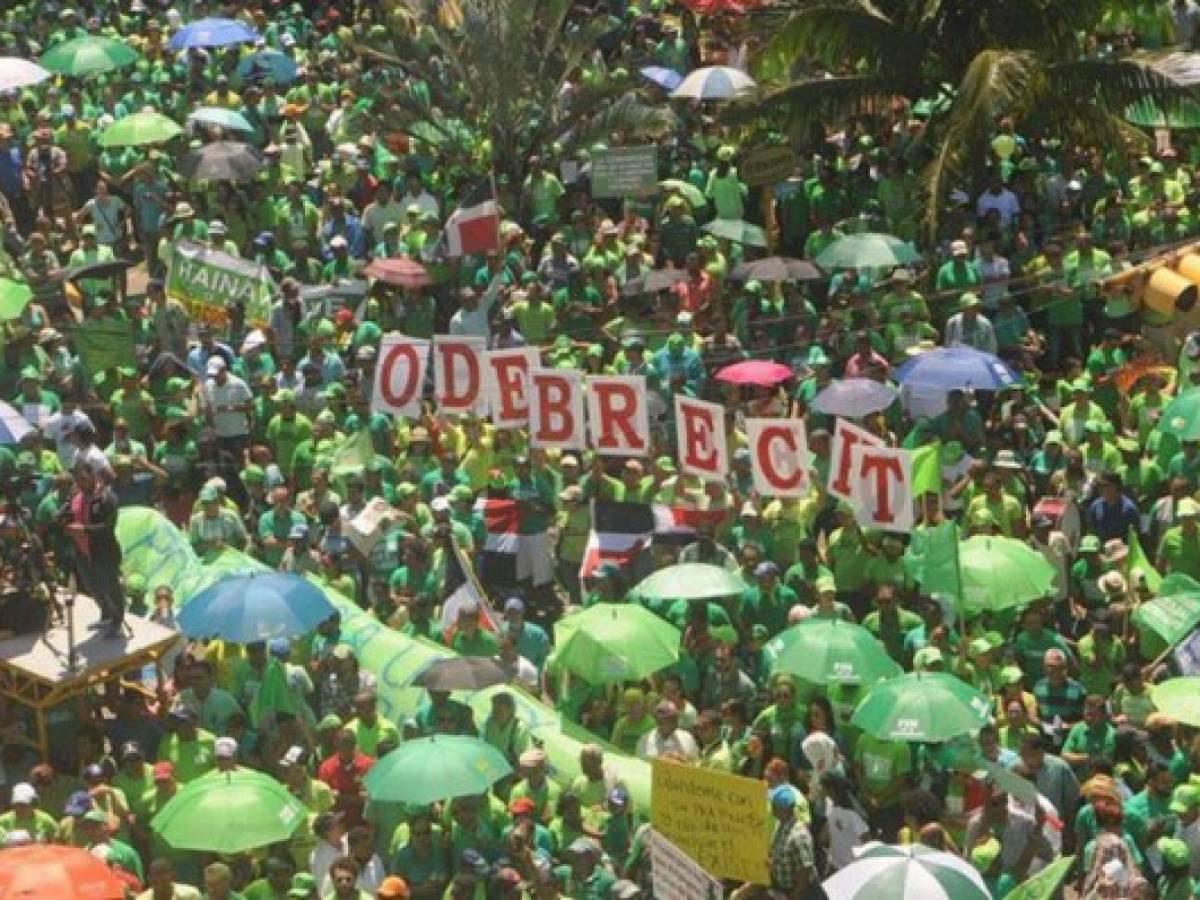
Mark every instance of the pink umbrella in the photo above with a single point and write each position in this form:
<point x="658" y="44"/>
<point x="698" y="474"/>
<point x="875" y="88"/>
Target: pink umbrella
<point x="400" y="272"/>
<point x="759" y="372"/>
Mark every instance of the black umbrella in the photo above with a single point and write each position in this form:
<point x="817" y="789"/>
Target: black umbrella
<point x="222" y="161"/>
<point x="106" y="269"/>
<point x="461" y="673"/>
<point x="653" y="282"/>
<point x="776" y="268"/>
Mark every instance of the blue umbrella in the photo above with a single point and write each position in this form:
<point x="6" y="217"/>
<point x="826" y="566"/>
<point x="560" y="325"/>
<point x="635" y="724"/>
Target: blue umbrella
<point x="225" y="118"/>
<point x="256" y="607"/>
<point x="854" y="398"/>
<point x="212" y="33"/>
<point x="955" y="368"/>
<point x="268" y="65"/>
<point x="667" y="79"/>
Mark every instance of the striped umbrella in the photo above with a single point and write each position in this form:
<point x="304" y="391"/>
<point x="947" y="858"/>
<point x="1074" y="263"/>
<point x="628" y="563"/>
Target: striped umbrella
<point x="885" y="872"/>
<point x="714" y="83"/>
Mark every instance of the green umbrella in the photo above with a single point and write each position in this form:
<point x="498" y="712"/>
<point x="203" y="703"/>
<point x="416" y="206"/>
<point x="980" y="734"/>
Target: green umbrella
<point x="925" y="708"/>
<point x="14" y="297"/>
<point x="829" y="651"/>
<point x="441" y="767"/>
<point x="737" y="231"/>
<point x="1181" y="417"/>
<point x="1148" y="114"/>
<point x="229" y="812"/>
<point x="868" y="250"/>
<point x="1171" y="617"/>
<point x="690" y="581"/>
<point x="138" y="129"/>
<point x="1001" y="573"/>
<point x="615" y="642"/>
<point x="885" y="872"/>
<point x="687" y="190"/>
<point x="1179" y="698"/>
<point x="89" y="55"/>
<point x="1044" y="885"/>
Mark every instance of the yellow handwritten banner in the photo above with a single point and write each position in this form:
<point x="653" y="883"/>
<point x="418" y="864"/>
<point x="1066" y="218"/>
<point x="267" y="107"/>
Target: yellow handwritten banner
<point x="719" y="820"/>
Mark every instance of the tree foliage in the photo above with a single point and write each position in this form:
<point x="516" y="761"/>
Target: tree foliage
<point x="1030" y="59"/>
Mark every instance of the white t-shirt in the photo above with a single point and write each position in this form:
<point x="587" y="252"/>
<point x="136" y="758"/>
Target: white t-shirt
<point x="653" y="745"/>
<point x="220" y="397"/>
<point x="847" y="830"/>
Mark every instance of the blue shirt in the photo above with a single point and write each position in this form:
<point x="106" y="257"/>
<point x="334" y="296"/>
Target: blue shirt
<point x="10" y="172"/>
<point x="331" y="366"/>
<point x="1112" y="520"/>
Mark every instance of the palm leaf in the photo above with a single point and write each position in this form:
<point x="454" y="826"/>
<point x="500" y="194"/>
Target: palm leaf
<point x="836" y="32"/>
<point x="1116" y="83"/>
<point x="829" y="99"/>
<point x="993" y="82"/>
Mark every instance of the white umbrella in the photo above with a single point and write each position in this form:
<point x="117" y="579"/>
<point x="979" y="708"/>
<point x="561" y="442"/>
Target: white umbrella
<point x="714" y="83"/>
<point x="853" y="398"/>
<point x="13" y="426"/>
<point x="885" y="872"/>
<point x="19" y="73"/>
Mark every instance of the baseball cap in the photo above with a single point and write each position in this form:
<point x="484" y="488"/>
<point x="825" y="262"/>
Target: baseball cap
<point x="783" y="795"/>
<point x="392" y="888"/>
<point x="225" y="748"/>
<point x="78" y="803"/>
<point x="24" y="793"/>
<point x="163" y="771"/>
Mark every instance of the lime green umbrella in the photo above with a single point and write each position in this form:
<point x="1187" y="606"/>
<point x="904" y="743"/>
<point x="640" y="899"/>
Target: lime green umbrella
<point x="615" y="642"/>
<point x="925" y="708"/>
<point x="89" y="55"/>
<point x="737" y="231"/>
<point x="869" y="250"/>
<point x="1181" y="417"/>
<point x="431" y="769"/>
<point x="829" y="651"/>
<point x="229" y="812"/>
<point x="139" y="129"/>
<point x="1179" y="698"/>
<point x="690" y="581"/>
<point x="1001" y="573"/>
<point x="687" y="190"/>
<point x="14" y="297"/>
<point x="1181" y="114"/>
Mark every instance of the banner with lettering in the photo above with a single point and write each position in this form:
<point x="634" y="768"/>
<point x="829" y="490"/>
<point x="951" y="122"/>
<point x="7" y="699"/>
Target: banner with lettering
<point x="207" y="281"/>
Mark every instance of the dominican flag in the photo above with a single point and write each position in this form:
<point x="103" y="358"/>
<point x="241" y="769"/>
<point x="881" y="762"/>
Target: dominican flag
<point x="502" y="521"/>
<point x="621" y="531"/>
<point x="463" y="590"/>
<point x="475" y="226"/>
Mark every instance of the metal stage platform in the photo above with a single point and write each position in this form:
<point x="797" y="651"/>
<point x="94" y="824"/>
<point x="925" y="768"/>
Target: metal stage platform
<point x="36" y="670"/>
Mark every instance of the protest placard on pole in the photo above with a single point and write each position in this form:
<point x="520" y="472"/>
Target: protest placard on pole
<point x="625" y="172"/>
<point x="719" y="820"/>
<point x="206" y="281"/>
<point x="677" y="876"/>
<point x="400" y="376"/>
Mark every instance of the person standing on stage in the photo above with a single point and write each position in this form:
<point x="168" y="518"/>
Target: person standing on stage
<point x="93" y="526"/>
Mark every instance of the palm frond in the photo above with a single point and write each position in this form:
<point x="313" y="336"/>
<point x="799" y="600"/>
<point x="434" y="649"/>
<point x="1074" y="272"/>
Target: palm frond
<point x="1116" y="83"/>
<point x="992" y="84"/>
<point x="628" y="115"/>
<point x="835" y="32"/>
<point x="828" y="99"/>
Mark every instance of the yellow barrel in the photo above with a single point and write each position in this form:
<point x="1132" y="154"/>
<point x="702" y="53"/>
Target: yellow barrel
<point x="1189" y="267"/>
<point x="1167" y="292"/>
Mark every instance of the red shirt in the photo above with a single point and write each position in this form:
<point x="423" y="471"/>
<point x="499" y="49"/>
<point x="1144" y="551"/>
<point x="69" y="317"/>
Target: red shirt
<point x="695" y="293"/>
<point x="345" y="778"/>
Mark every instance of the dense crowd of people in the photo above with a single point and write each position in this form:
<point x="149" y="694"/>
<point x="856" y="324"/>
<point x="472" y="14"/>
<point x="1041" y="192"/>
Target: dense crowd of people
<point x="233" y="428"/>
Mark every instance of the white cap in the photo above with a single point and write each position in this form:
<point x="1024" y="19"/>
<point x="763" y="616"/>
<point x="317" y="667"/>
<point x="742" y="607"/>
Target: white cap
<point x="958" y="248"/>
<point x="294" y="755"/>
<point x="214" y="365"/>
<point x="225" y="748"/>
<point x="338" y="241"/>
<point x="440" y="504"/>
<point x="24" y="793"/>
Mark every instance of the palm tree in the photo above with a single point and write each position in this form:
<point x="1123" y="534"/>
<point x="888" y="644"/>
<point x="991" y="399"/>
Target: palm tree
<point x="490" y="78"/>
<point x="1025" y="58"/>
